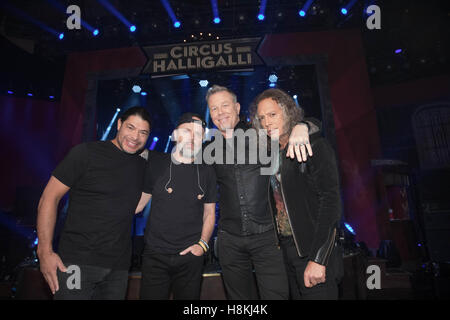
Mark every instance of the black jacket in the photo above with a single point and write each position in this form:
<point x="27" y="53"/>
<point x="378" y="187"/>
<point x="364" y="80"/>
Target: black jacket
<point x="312" y="199"/>
<point x="243" y="202"/>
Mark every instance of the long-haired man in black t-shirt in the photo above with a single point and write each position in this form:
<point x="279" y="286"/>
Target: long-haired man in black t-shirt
<point x="105" y="180"/>
<point x="182" y="216"/>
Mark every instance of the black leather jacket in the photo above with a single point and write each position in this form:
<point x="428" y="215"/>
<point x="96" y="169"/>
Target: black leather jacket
<point x="312" y="199"/>
<point x="243" y="203"/>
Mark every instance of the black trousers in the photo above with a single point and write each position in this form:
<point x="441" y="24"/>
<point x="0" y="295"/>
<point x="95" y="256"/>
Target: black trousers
<point x="163" y="274"/>
<point x="239" y="256"/>
<point x="96" y="283"/>
<point x="295" y="268"/>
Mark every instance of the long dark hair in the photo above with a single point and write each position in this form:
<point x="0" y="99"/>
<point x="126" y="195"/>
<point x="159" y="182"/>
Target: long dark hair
<point x="292" y="113"/>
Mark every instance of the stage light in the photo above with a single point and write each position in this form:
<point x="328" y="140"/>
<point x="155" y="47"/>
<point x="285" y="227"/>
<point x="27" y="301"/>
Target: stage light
<point x="143" y="93"/>
<point x="272" y="85"/>
<point x="398" y="50"/>
<point x="203" y="83"/>
<point x="61" y="36"/>
<point x="305" y="8"/>
<point x="215" y="10"/>
<point x="175" y="21"/>
<point x="349" y="228"/>
<point x="344" y="11"/>
<point x="29" y="94"/>
<point x="136" y="88"/>
<point x="116" y="13"/>
<point x="52" y="97"/>
<point x="167" y="144"/>
<point x="294" y="96"/>
<point x="95" y="32"/>
<point x="177" y="24"/>
<point x="262" y="10"/>
<point x="108" y="129"/>
<point x="10" y="92"/>
<point x="155" y="140"/>
<point x="273" y="78"/>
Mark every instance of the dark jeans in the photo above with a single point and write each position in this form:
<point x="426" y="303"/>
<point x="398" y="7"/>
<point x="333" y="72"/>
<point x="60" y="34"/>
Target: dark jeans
<point x="96" y="283"/>
<point x="239" y="256"/>
<point x="163" y="274"/>
<point x="295" y="268"/>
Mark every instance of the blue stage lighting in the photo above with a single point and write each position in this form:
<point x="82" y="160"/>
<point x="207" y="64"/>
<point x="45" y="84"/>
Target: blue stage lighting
<point x="349" y="228"/>
<point x="203" y="83"/>
<point x="398" y="51"/>
<point x="216" y="20"/>
<point x="29" y="94"/>
<point x="133" y="28"/>
<point x="143" y="93"/>
<point x="272" y="85"/>
<point x="273" y="78"/>
<point x="52" y="97"/>
<point x="95" y="32"/>
<point x="61" y="36"/>
<point x="155" y="139"/>
<point x="118" y="109"/>
<point x="294" y="96"/>
<point x="261" y="17"/>
<point x="302" y="13"/>
<point x="344" y="11"/>
<point x="10" y="92"/>
<point x="177" y="24"/>
<point x="136" y="88"/>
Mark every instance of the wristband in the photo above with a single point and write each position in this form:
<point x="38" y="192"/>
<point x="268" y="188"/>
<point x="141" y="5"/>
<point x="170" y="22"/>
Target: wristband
<point x="203" y="246"/>
<point x="205" y="243"/>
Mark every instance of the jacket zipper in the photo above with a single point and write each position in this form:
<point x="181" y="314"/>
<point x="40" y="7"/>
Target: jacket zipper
<point x="289" y="218"/>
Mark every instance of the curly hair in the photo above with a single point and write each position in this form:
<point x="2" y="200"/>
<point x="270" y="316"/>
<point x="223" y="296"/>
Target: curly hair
<point x="292" y="114"/>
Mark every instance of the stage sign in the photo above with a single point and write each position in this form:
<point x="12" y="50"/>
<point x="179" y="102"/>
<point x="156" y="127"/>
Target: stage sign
<point x="202" y="56"/>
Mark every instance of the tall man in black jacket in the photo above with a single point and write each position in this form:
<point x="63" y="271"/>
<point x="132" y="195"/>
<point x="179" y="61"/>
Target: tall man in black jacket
<point x="306" y="202"/>
<point x="247" y="239"/>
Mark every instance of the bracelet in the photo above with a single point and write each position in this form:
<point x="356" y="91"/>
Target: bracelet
<point x="205" y="243"/>
<point x="203" y="246"/>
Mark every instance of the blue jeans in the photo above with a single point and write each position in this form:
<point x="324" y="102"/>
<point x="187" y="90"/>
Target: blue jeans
<point x="97" y="283"/>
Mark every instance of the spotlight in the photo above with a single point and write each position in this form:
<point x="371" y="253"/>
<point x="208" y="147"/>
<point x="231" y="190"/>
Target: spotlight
<point x="344" y="11"/>
<point x="302" y="13"/>
<point x="61" y="36"/>
<point x="52" y="97"/>
<point x="294" y="96"/>
<point x="143" y="93"/>
<point x="272" y="85"/>
<point x="261" y="17"/>
<point x="133" y="28"/>
<point x="95" y="32"/>
<point x="10" y="92"/>
<point x="29" y="94"/>
<point x="155" y="139"/>
<point x="203" y="83"/>
<point x="349" y="228"/>
<point x="118" y="110"/>
<point x="136" y="88"/>
<point x="216" y="20"/>
<point x="273" y="78"/>
<point x="177" y="24"/>
<point x="398" y="51"/>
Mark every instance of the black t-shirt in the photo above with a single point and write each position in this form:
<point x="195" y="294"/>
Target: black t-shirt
<point x="176" y="219"/>
<point x="105" y="188"/>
